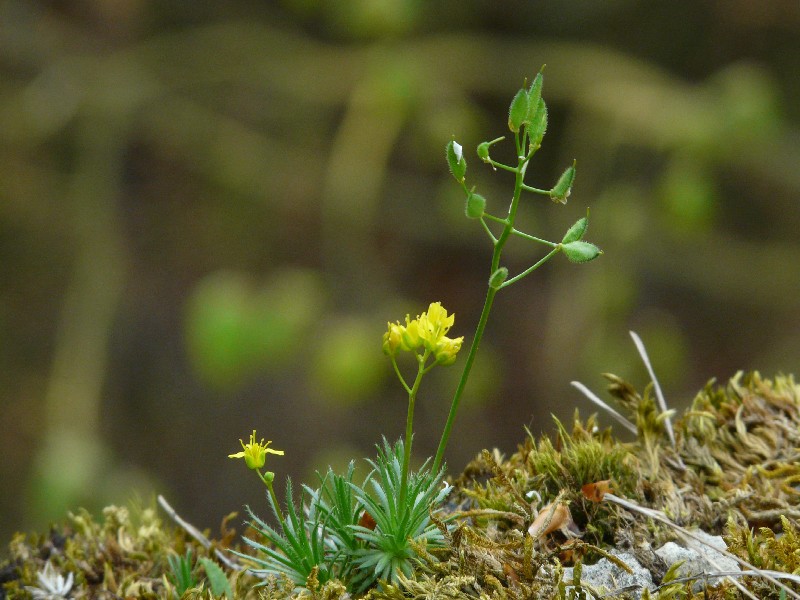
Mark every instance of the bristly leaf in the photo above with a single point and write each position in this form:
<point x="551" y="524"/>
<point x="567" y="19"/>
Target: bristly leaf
<point x="518" y="111"/>
<point x="456" y="160"/>
<point x="561" y="190"/>
<point x="388" y="549"/>
<point x="534" y="95"/>
<point x="297" y="549"/>
<point x="538" y="125"/>
<point x="577" y="231"/>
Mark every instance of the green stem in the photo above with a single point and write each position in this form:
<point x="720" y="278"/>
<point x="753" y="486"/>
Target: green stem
<point x="473" y="350"/>
<point x="508" y="229"/>
<point x="533" y="239"/>
<point x="274" y="498"/>
<point x="529" y="270"/>
<point x="412" y="398"/>
<point x="528" y="188"/>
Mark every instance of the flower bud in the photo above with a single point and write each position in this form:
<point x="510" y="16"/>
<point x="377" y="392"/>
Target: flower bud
<point x="563" y="187"/>
<point x="456" y="160"/>
<point x="580" y="252"/>
<point x="392" y="338"/>
<point x="498" y="277"/>
<point x="446" y="350"/>
<point x="476" y="204"/>
<point x="410" y="338"/>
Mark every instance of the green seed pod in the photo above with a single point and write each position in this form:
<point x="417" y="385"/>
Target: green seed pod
<point x="534" y="95"/>
<point x="581" y="252"/>
<point x="561" y="190"/>
<point x="476" y="204"/>
<point x="538" y="125"/>
<point x="577" y="231"/>
<point x="456" y="160"/>
<point x="498" y="277"/>
<point x="518" y="111"/>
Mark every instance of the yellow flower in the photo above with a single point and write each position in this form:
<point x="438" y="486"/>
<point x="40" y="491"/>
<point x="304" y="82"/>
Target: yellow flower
<point x="434" y="324"/>
<point x="255" y="453"/>
<point x="427" y="330"/>
<point x="411" y="335"/>
<point x="446" y="350"/>
<point x="393" y="338"/>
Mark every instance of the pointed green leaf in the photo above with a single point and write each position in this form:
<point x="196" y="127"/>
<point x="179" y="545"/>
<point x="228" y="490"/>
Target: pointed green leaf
<point x="534" y="95"/>
<point x="563" y="187"/>
<point x="577" y="231"/>
<point x="518" y="111"/>
<point x="456" y="160"/>
<point x="538" y="125"/>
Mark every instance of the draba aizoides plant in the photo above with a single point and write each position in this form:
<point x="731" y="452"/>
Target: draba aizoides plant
<point x="364" y="534"/>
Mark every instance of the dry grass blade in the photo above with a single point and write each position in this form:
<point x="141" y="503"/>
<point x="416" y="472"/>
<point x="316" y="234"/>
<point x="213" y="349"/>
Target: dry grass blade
<point x="195" y="533"/>
<point x="662" y="518"/>
<point x="617" y="416"/>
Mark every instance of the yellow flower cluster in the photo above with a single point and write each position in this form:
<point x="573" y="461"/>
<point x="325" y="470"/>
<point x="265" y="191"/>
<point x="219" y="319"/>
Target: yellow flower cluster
<point x="426" y="331"/>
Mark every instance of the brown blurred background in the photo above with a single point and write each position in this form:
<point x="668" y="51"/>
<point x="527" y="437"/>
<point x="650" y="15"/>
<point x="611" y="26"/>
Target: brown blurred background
<point x="208" y="212"/>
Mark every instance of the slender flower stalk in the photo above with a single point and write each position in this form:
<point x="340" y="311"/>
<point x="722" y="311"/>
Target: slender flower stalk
<point x="412" y="398"/>
<point x="255" y="455"/>
<point x="425" y="337"/>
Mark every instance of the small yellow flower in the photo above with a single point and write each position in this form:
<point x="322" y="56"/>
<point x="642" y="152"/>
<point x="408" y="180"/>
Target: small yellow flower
<point x="446" y="350"/>
<point x="393" y="338"/>
<point x="434" y="324"/>
<point x="427" y="330"/>
<point x="255" y="453"/>
<point x="411" y="335"/>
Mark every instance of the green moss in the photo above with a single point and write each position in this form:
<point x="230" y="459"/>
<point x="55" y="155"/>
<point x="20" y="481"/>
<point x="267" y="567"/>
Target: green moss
<point x="739" y="444"/>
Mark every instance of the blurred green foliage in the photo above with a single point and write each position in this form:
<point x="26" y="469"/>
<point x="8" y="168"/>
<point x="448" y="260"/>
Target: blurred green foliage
<point x="205" y="209"/>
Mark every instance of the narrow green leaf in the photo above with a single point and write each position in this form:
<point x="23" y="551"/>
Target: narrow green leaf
<point x="538" y="125"/>
<point x="456" y="160"/>
<point x="577" y="231"/>
<point x="518" y="111"/>
<point x="563" y="187"/>
<point x="534" y="95"/>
